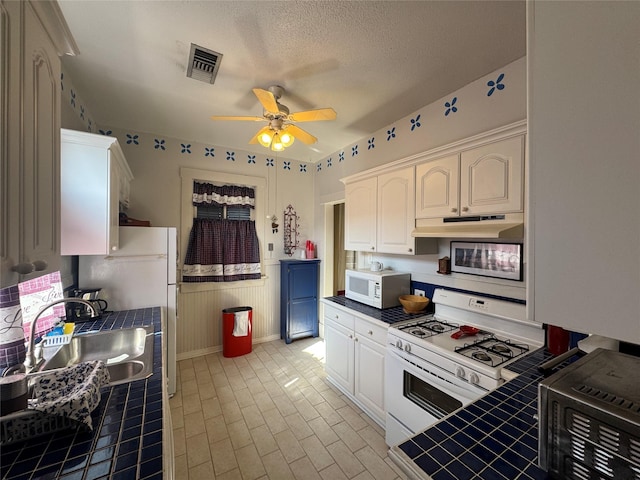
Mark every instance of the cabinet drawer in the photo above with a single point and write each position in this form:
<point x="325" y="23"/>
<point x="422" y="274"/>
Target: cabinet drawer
<point x="338" y="316"/>
<point x="369" y="330"/>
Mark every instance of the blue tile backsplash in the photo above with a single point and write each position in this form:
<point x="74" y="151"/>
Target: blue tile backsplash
<point x="126" y="441"/>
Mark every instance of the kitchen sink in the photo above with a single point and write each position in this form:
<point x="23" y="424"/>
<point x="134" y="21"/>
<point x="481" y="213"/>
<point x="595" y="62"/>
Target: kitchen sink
<point x="128" y="353"/>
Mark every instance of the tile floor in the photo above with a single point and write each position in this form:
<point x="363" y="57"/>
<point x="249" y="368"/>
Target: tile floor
<point x="272" y="414"/>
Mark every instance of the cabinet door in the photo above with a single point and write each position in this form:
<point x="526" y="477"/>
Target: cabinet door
<point x="491" y="178"/>
<point x="113" y="209"/>
<point x="584" y="164"/>
<point x="40" y="233"/>
<point x="299" y="297"/>
<point x="437" y="184"/>
<point x="396" y="212"/>
<point x="339" y="354"/>
<point x="10" y="141"/>
<point x="360" y="215"/>
<point x="369" y="375"/>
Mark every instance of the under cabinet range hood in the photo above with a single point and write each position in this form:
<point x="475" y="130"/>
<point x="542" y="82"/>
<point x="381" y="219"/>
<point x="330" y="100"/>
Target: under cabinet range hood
<point x="482" y="226"/>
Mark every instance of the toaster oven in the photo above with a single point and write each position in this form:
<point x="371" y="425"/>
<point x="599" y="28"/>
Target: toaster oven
<point x="589" y="418"/>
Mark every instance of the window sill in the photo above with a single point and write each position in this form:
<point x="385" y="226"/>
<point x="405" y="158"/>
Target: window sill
<point x="188" y="287"/>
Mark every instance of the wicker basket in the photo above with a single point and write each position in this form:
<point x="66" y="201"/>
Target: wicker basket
<point x="27" y="424"/>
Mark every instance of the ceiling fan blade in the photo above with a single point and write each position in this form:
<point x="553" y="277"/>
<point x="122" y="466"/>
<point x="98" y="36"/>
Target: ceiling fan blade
<point x="314" y="115"/>
<point x="267" y="100"/>
<point x="250" y="119"/>
<point x="301" y="135"/>
<point x="260" y="132"/>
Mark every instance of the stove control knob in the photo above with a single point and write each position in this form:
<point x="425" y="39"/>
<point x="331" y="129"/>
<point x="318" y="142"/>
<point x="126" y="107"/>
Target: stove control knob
<point x="473" y="379"/>
<point x="399" y="344"/>
<point x="460" y="373"/>
<point x="407" y="348"/>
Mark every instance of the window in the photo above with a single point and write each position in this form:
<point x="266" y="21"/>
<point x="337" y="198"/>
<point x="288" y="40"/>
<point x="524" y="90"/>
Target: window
<point x="230" y="212"/>
<point x="230" y="227"/>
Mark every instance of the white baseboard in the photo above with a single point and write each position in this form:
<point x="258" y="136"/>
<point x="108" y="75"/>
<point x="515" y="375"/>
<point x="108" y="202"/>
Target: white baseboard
<point x="218" y="348"/>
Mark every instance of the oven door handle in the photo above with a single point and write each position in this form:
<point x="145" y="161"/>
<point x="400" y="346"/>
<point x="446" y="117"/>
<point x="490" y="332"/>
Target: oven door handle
<point x="439" y="376"/>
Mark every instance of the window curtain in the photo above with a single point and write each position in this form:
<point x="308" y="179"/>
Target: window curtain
<point x="229" y="195"/>
<point x="222" y="251"/>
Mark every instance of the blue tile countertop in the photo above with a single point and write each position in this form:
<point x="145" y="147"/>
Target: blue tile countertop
<point x="388" y="315"/>
<point x="126" y="441"/>
<point x="496" y="437"/>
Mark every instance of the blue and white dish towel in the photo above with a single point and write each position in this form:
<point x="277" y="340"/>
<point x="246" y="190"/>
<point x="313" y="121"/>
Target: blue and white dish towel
<point x="72" y="392"/>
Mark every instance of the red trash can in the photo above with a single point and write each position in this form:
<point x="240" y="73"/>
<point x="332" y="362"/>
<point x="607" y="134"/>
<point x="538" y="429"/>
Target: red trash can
<point x="236" y="335"/>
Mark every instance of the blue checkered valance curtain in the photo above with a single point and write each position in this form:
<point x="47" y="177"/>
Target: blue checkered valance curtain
<point x="222" y="250"/>
<point x="224" y="195"/>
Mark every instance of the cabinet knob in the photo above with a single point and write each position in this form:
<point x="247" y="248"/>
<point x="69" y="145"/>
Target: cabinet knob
<point x="23" y="268"/>
<point x="114" y="248"/>
<point x="410" y="250"/>
<point x="373" y="248"/>
<point x="350" y="336"/>
<point x="356" y="339"/>
<point x="370" y="332"/>
<point x="40" y="265"/>
<point x="465" y="209"/>
<point x="26" y="268"/>
<point x="454" y="210"/>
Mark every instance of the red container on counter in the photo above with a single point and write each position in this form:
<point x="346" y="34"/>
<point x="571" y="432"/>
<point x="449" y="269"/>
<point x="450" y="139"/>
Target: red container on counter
<point x="557" y="340"/>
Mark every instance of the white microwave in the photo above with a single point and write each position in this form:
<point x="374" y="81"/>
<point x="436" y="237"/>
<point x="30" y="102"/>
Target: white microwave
<point x="377" y="289"/>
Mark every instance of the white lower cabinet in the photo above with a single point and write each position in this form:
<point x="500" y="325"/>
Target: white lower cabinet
<point x="354" y="359"/>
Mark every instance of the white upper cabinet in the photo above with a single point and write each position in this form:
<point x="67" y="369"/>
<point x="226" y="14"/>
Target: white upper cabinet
<point x="361" y="215"/>
<point x="484" y="180"/>
<point x="94" y="175"/>
<point x="32" y="36"/>
<point x="380" y="215"/>
<point x="492" y="177"/>
<point x="584" y="119"/>
<point x="438" y="186"/>
<point x="396" y="212"/>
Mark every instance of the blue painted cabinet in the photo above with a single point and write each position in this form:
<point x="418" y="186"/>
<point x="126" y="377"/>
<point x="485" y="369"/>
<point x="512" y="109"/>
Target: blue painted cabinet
<point x="298" y="299"/>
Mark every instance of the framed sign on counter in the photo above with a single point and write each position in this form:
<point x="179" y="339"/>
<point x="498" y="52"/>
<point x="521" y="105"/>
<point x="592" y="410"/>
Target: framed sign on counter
<point x="488" y="259"/>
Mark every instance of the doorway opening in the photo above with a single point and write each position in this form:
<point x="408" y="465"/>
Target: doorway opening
<point x="342" y="259"/>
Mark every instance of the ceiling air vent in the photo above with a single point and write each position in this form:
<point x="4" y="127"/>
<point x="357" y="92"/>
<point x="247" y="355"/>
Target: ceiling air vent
<point x="203" y="64"/>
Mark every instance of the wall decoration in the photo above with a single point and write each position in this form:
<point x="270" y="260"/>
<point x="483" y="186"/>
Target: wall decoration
<point x="451" y="106"/>
<point x="495" y="85"/>
<point x="488" y="259"/>
<point x="291" y="227"/>
<point x="415" y="123"/>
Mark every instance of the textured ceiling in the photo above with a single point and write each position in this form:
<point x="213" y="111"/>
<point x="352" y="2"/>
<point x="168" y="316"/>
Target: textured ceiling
<point x="373" y="62"/>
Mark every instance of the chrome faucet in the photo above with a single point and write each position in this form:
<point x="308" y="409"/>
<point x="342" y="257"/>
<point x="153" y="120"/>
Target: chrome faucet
<point x="30" y="362"/>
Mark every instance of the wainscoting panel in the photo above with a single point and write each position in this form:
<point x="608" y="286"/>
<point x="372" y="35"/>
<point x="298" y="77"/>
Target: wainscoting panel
<point x="199" y="329"/>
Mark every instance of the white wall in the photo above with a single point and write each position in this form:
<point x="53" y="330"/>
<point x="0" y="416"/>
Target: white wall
<point x="477" y="112"/>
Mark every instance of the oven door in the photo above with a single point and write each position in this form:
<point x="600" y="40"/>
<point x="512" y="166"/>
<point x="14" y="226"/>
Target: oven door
<point x="418" y="394"/>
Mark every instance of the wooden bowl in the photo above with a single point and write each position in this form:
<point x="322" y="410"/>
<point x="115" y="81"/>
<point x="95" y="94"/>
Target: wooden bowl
<point x="413" y="303"/>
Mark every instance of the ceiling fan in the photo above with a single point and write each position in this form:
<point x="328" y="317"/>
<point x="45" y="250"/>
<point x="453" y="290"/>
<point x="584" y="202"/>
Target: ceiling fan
<point x="281" y="131"/>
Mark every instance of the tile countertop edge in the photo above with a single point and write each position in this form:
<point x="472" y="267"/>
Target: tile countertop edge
<point x="494" y="437"/>
<point x="168" y="460"/>
<point x="128" y="439"/>
<point x="383" y="318"/>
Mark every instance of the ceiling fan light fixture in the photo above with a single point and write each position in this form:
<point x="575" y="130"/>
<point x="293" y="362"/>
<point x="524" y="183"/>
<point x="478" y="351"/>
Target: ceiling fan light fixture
<point x="286" y="139"/>
<point x="265" y="138"/>
<point x="276" y="144"/>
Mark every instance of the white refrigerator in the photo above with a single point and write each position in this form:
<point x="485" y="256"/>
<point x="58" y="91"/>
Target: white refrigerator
<point x="141" y="273"/>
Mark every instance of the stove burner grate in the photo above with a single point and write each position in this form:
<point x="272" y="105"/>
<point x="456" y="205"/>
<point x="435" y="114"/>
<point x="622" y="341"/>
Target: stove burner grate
<point x="427" y="328"/>
<point x="492" y="351"/>
<point x="483" y="357"/>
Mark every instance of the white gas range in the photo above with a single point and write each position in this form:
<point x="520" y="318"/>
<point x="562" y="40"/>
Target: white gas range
<point x="433" y="367"/>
